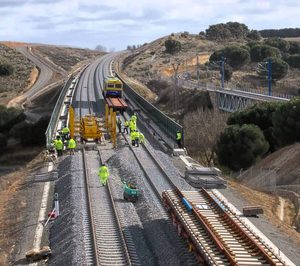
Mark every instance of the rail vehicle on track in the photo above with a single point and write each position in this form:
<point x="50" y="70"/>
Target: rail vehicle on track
<point x="113" y="92"/>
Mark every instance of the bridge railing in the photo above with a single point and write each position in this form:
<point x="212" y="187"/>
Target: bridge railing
<point x="51" y="129"/>
<point x="166" y="124"/>
<point x="212" y="86"/>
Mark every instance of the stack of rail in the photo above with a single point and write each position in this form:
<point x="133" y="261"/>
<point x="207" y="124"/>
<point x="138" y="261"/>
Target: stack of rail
<point x="216" y="234"/>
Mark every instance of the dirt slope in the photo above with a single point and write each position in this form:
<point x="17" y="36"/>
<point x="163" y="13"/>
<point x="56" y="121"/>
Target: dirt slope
<point x="280" y="169"/>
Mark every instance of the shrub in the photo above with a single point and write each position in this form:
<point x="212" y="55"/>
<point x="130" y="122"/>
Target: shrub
<point x="236" y="56"/>
<point x="293" y="60"/>
<point x="294" y="48"/>
<point x="278" y="43"/>
<point x="6" y="69"/>
<point x="260" y="115"/>
<point x="230" y="30"/>
<point x="286" y="122"/>
<point x="254" y="35"/>
<point x="172" y="46"/>
<point x="240" y="147"/>
<point x="260" y="52"/>
<point x="279" y="68"/>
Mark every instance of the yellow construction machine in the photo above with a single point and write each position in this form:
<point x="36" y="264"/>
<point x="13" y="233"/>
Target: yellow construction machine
<point x="90" y="129"/>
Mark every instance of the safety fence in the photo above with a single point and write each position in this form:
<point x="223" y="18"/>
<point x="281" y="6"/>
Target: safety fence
<point x="56" y="111"/>
<point x="165" y="123"/>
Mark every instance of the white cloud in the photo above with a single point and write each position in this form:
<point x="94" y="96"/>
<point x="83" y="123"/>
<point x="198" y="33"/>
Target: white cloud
<point x="57" y="21"/>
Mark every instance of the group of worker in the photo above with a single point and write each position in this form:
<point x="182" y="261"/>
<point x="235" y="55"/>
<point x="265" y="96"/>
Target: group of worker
<point x="62" y="140"/>
<point x="136" y="137"/>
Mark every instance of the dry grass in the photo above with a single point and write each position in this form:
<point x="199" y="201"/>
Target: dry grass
<point x="270" y="204"/>
<point x="292" y="39"/>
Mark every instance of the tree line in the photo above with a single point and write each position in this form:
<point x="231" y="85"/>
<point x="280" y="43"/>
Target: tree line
<point x="283" y="33"/>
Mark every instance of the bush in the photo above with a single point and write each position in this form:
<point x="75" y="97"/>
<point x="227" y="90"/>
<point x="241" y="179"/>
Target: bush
<point x="172" y="46"/>
<point x="9" y="117"/>
<point x="230" y="30"/>
<point x="236" y="56"/>
<point x="294" y="48"/>
<point x="278" y="43"/>
<point x="260" y="52"/>
<point x="286" y="122"/>
<point x="293" y="60"/>
<point x="254" y="35"/>
<point x="240" y="147"/>
<point x="279" y="68"/>
<point x="260" y="115"/>
<point x="31" y="134"/>
<point x="6" y="69"/>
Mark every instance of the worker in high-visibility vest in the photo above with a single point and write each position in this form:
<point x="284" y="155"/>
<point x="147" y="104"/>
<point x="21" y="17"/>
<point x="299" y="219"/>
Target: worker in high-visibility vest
<point x="132" y="126"/>
<point x="65" y="133"/>
<point x="59" y="146"/>
<point x="133" y="117"/>
<point x="178" y="139"/>
<point x="103" y="174"/>
<point x="132" y="137"/>
<point x="71" y="145"/>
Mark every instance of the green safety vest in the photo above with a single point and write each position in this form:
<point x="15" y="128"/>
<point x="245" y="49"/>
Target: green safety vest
<point x="178" y="136"/>
<point x="59" y="145"/>
<point x="72" y="144"/>
<point x="65" y="130"/>
<point x="103" y="172"/>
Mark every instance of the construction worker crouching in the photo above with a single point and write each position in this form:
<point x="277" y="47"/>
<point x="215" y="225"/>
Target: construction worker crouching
<point x="72" y="145"/>
<point x="59" y="146"/>
<point x="103" y="174"/>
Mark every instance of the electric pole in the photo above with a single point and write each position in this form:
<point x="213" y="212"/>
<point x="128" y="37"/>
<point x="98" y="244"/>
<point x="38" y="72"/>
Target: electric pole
<point x="270" y="76"/>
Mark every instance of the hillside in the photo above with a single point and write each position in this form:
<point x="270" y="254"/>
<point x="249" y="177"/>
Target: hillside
<point x="150" y="61"/>
<point x="63" y="59"/>
<point x="23" y="68"/>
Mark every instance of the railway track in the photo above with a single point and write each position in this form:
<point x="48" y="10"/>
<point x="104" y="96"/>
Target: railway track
<point x="104" y="243"/>
<point x="219" y="236"/>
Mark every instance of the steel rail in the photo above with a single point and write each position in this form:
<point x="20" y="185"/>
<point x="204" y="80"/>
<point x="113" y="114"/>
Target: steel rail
<point x="115" y="211"/>
<point x="90" y="209"/>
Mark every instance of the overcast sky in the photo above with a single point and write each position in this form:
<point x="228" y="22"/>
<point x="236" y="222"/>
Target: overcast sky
<point x="118" y="23"/>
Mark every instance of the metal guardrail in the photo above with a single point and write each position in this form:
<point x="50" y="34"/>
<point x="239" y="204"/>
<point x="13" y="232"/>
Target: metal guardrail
<point x="166" y="124"/>
<point x="213" y="87"/>
<point x="54" y="117"/>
